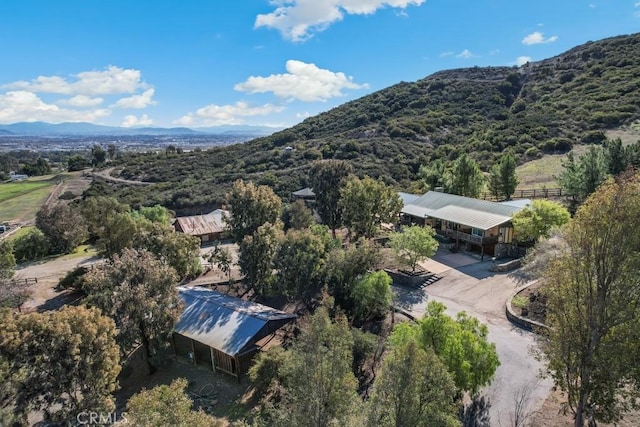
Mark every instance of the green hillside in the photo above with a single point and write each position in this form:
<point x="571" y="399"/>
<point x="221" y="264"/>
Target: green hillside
<point x="540" y="108"/>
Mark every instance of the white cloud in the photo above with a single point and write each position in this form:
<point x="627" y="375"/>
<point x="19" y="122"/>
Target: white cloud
<point x="304" y="82"/>
<point x="215" y="115"/>
<point x="521" y="60"/>
<point x="24" y="106"/>
<point x="112" y="80"/>
<point x="445" y="54"/>
<point x="131" y="120"/>
<point x="81" y="101"/>
<point x="538" y="38"/>
<point x="303" y="115"/>
<point x="298" y="20"/>
<point x="637" y="4"/>
<point x="494" y="51"/>
<point x="465" y="54"/>
<point x="142" y="100"/>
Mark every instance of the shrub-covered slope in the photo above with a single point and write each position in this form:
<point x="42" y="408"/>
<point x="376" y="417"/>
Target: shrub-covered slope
<point x="540" y="107"/>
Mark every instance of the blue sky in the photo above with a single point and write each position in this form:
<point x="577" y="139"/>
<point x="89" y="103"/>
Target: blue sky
<point x="258" y="62"/>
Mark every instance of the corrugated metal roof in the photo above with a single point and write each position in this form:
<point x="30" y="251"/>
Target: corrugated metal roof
<point x="223" y="322"/>
<point x="435" y="200"/>
<point x="198" y="225"/>
<point x="305" y="192"/>
<point x="469" y="217"/>
<point x="476" y="213"/>
<point x="416" y="211"/>
<point x="408" y="198"/>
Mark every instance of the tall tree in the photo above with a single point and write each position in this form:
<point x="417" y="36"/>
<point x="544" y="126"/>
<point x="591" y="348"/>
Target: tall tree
<point x="412" y="389"/>
<point x="221" y="256"/>
<point x="436" y="174"/>
<point x="167" y="405"/>
<point x="97" y="211"/>
<point x="300" y="262"/>
<point x="502" y="177"/>
<point x="179" y="250"/>
<point x="581" y="177"/>
<point x="256" y="256"/>
<point x="297" y="216"/>
<point x="250" y="208"/>
<point x="112" y="150"/>
<point x="138" y="292"/>
<point x="460" y="343"/>
<point x="118" y="232"/>
<point x="326" y="178"/>
<point x="365" y="204"/>
<point x="538" y="219"/>
<point x="98" y="156"/>
<point x="371" y="296"/>
<point x="467" y="178"/>
<point x="413" y="244"/>
<point x="63" y="226"/>
<point x="320" y="388"/>
<point x="615" y="156"/>
<point x="593" y="305"/>
<point x="345" y="266"/>
<point x="65" y="361"/>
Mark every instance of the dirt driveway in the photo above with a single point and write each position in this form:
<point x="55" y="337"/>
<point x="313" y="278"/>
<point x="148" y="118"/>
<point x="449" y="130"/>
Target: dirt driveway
<point x="44" y="295"/>
<point x="468" y="285"/>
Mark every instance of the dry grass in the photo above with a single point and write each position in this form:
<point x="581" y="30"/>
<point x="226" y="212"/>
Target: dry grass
<point x="541" y="173"/>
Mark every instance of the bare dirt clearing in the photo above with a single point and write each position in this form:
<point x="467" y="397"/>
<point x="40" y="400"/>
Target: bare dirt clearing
<point x="44" y="294"/>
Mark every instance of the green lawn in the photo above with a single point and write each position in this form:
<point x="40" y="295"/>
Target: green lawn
<point x="20" y="201"/>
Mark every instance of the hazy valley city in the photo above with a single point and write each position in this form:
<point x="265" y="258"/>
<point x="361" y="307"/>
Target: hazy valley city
<point x="320" y="213"/>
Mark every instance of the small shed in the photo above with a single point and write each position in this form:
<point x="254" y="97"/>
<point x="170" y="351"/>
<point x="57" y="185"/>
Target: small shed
<point x="208" y="228"/>
<point x="221" y="331"/>
<point x="304" y="194"/>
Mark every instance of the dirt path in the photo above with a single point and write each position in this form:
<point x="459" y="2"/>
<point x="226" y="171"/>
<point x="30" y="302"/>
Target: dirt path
<point x="44" y="295"/>
<point x="106" y="175"/>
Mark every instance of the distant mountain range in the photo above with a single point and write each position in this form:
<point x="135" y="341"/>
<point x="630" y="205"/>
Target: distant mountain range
<point x="89" y="129"/>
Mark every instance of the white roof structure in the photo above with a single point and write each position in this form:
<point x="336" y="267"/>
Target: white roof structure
<point x="475" y="213"/>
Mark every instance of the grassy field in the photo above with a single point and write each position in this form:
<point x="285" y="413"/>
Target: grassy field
<point x="541" y="173"/>
<point x="20" y="201"/>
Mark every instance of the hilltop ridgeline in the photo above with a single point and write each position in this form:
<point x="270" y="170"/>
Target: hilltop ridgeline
<point x="540" y="107"/>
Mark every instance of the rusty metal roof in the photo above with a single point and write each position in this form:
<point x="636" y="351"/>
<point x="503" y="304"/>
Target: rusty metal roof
<point x="198" y="225"/>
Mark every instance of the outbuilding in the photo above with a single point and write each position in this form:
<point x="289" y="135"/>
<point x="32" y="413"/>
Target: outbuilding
<point x="223" y="332"/>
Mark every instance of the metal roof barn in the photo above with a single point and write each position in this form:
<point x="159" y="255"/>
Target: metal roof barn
<point x="229" y="327"/>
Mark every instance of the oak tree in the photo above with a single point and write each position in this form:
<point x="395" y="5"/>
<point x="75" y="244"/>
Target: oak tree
<point x="63" y="226"/>
<point x="167" y="405"/>
<point x="138" y="291"/>
<point x="63" y="362"/>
